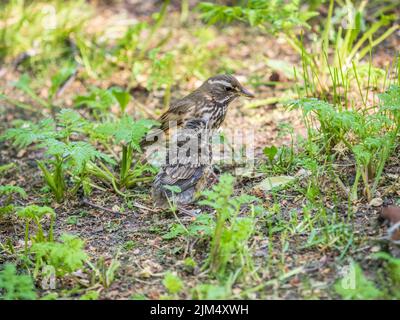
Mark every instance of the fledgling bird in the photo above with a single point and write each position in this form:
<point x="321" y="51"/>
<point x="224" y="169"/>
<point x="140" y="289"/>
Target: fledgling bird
<point x="201" y="111"/>
<point x="186" y="166"/>
<point x="209" y="102"/>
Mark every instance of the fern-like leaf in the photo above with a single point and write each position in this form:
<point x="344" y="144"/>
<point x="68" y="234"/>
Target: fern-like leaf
<point x="27" y="133"/>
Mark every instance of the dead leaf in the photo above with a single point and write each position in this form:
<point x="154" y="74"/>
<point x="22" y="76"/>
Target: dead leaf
<point x="21" y="153"/>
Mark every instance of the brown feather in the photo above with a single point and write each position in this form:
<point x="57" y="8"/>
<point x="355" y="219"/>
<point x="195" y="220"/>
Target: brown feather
<point x="204" y="108"/>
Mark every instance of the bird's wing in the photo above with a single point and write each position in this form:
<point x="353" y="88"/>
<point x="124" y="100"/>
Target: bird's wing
<point x="185" y="166"/>
<point x="177" y="111"/>
<point x="174" y="174"/>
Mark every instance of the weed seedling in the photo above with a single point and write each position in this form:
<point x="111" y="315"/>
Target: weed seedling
<point x="15" y="286"/>
<point x="36" y="214"/>
<point x="231" y="232"/>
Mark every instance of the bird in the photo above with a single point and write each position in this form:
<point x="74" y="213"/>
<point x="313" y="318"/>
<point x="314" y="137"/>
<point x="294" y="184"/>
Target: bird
<point x="186" y="166"/>
<point x="208" y="102"/>
<point x="197" y="114"/>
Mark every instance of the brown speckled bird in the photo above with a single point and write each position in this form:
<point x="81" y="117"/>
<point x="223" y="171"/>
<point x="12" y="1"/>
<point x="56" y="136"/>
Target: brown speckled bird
<point x="203" y="109"/>
<point x="209" y="102"/>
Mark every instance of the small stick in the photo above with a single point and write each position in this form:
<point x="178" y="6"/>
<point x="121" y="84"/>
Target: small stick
<point x="66" y="83"/>
<point x="90" y="204"/>
<point x="140" y="206"/>
<point x="75" y="53"/>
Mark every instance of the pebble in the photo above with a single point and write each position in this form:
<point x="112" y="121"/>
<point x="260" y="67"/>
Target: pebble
<point x="376" y="202"/>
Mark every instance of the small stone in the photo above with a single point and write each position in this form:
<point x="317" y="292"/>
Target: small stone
<point x="376" y="202"/>
<point x="375" y="249"/>
<point x="21" y="153"/>
<point x="237" y="291"/>
<point x="393" y="176"/>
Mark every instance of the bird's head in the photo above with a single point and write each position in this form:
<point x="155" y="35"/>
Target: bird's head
<point x="225" y="88"/>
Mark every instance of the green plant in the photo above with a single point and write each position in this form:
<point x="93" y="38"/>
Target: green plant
<point x="127" y="47"/>
<point x="90" y="295"/>
<point x="50" y="21"/>
<point x="15" y="286"/>
<point x="329" y="59"/>
<point x="159" y="19"/>
<point x="210" y="292"/>
<point x="270" y="152"/>
<point x="270" y="16"/>
<point x="122" y="98"/>
<point x="229" y="244"/>
<point x="172" y="283"/>
<point x="332" y="65"/>
<point x="371" y="137"/>
<point x="189" y="264"/>
<point x="346" y="36"/>
<point x="26" y="133"/>
<point x="100" y="101"/>
<point x="5" y="167"/>
<point x="393" y="267"/>
<point x="127" y="133"/>
<point x="35" y="213"/>
<point x="24" y="84"/>
<point x="202" y="227"/>
<point x="63" y="156"/>
<point x="355" y="285"/>
<point x="7" y="192"/>
<point x="65" y="257"/>
<point x="103" y="272"/>
<point x="162" y="73"/>
<point x="283" y="159"/>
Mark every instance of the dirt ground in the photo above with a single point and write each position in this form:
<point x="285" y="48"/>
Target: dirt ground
<point x="114" y="223"/>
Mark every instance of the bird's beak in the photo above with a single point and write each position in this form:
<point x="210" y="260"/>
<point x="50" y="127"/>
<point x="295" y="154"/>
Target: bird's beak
<point x="246" y="93"/>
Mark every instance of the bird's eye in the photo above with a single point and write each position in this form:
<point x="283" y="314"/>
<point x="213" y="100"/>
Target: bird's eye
<point x="228" y="88"/>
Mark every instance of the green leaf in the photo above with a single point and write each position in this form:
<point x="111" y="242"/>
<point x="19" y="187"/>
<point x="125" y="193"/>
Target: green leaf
<point x="97" y="99"/>
<point x="391" y="98"/>
<point x="122" y="97"/>
<point x="90" y="295"/>
<point x="270" y="152"/>
<point x="172" y="283"/>
<point x="393" y="265"/>
<point x="355" y="286"/>
<point x="70" y="119"/>
<point x="210" y="292"/>
<point x="127" y="131"/>
<point x="23" y="83"/>
<point x="15" y="286"/>
<point x="6" y="167"/>
<point x="66" y="256"/>
<point x="59" y="79"/>
<point x="27" y="133"/>
<point x="8" y="189"/>
<point x="34" y="211"/>
<point x="77" y="153"/>
<point x="270" y="183"/>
